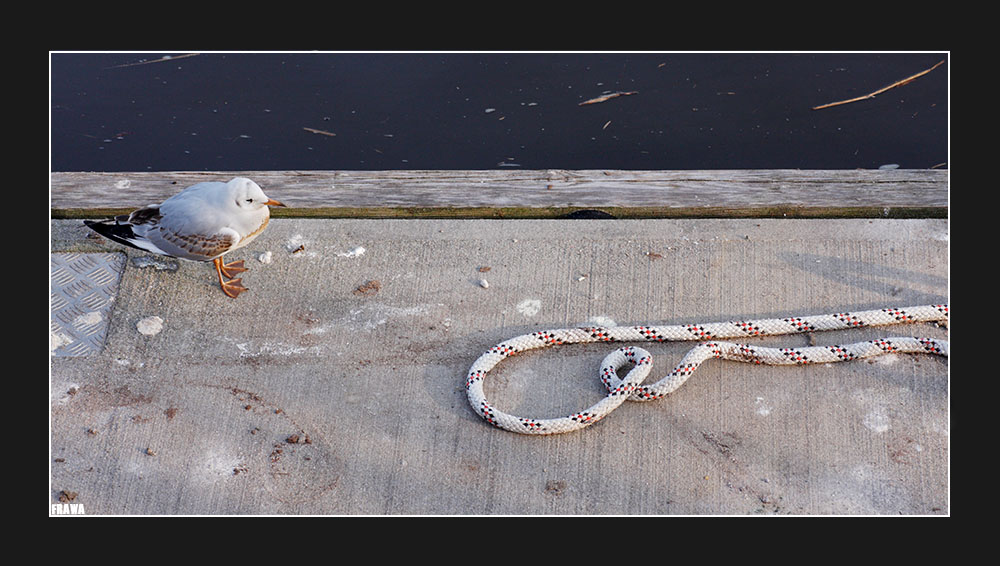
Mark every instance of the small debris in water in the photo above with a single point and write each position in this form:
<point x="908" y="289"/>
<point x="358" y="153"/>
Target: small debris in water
<point x="608" y="96"/>
<point x="160" y="60"/>
<point x="320" y="132"/>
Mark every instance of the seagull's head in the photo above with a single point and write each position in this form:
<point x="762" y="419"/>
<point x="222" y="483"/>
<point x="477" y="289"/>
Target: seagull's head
<point x="248" y="195"/>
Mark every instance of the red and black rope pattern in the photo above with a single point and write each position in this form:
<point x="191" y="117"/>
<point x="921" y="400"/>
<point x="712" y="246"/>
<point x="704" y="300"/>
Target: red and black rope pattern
<point x="631" y="388"/>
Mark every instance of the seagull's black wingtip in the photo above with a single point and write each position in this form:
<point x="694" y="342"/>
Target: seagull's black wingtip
<point x="110" y="229"/>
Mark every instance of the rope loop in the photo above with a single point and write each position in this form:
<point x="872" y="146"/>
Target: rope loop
<point x="631" y="386"/>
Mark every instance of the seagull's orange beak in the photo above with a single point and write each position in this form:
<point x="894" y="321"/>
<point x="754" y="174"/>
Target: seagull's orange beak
<point x="273" y="202"/>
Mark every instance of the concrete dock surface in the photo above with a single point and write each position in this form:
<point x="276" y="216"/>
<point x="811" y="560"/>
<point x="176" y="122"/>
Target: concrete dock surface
<point x="336" y="385"/>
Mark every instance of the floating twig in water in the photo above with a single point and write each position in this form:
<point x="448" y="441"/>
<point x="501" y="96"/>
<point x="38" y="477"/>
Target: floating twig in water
<point x="604" y="97"/>
<point x="160" y="60"/>
<point x="321" y="132"/>
<point x="881" y="90"/>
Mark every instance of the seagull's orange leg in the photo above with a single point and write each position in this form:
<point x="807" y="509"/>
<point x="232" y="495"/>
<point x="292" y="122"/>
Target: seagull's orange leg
<point x="233" y="287"/>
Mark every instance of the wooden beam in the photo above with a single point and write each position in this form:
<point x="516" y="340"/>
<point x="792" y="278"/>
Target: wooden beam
<point x="535" y="193"/>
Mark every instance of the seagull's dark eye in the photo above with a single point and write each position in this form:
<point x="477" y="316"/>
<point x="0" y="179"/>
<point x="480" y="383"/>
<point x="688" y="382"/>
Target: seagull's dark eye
<point x="249" y="200"/>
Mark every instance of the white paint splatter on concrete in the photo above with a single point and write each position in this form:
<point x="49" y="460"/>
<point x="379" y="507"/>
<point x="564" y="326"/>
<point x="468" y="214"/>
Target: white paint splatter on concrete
<point x="248" y="350"/>
<point x="529" y="307"/>
<point x="762" y="408"/>
<point x="371" y="316"/>
<point x="155" y="262"/>
<point x="129" y="363"/>
<point x="357" y="251"/>
<point x="150" y="326"/>
<point x="877" y="420"/>
<point x="602" y="321"/>
<point x="885" y="359"/>
<point x="380" y="314"/>
<point x="216" y="465"/>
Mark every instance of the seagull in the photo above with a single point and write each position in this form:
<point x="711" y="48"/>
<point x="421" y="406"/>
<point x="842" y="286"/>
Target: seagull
<point x="201" y="223"/>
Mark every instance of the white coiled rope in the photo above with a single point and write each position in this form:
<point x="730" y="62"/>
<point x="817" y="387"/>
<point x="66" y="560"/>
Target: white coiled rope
<point x="630" y="387"/>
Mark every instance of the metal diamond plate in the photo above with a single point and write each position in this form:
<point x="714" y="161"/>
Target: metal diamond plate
<point x="83" y="288"/>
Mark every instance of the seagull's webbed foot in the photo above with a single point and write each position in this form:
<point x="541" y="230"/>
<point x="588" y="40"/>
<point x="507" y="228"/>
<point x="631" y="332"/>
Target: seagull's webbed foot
<point x="230" y="269"/>
<point x="233" y="287"/>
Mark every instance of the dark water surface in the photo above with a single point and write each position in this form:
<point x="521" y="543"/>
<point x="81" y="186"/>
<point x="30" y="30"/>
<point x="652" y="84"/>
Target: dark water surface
<point x="344" y="111"/>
